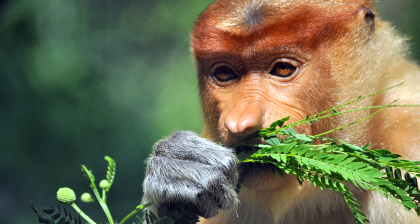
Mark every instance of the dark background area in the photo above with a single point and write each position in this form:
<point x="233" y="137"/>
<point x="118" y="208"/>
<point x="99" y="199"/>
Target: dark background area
<point x="81" y="79"/>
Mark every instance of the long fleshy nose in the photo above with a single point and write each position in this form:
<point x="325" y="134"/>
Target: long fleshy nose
<point x="243" y="120"/>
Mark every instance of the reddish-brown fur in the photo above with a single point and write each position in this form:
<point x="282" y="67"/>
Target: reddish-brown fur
<point x="341" y="54"/>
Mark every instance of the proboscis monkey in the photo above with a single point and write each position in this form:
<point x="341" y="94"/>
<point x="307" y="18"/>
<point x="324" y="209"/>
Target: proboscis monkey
<point x="259" y="61"/>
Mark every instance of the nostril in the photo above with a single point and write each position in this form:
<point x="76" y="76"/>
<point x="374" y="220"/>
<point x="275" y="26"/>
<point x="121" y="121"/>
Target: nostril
<point x="248" y="129"/>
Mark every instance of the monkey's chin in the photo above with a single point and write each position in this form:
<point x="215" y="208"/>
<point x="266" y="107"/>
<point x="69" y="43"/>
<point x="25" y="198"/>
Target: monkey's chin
<point x="260" y="177"/>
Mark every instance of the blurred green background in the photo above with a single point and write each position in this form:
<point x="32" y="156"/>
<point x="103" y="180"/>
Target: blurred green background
<point x="81" y="79"/>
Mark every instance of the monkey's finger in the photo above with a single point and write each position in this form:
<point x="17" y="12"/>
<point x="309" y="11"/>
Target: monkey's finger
<point x="169" y="168"/>
<point x="175" y="192"/>
<point x="171" y="186"/>
<point x="178" y="181"/>
<point x="186" y="145"/>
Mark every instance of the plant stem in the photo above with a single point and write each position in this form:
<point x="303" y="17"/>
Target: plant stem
<point x="356" y="100"/>
<point x="95" y="191"/>
<point x="342" y="112"/>
<point x="104" y="195"/>
<point x="103" y="205"/>
<point x="81" y="213"/>
<point x="352" y="123"/>
<point x="137" y="210"/>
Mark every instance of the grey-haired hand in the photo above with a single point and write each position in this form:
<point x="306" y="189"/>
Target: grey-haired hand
<point x="186" y="168"/>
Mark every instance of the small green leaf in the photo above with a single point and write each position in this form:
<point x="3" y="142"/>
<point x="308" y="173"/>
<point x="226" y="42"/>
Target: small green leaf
<point x="292" y="131"/>
<point x="303" y="137"/>
<point x="273" y="140"/>
<point x="410" y="204"/>
<point x="280" y="171"/>
<point x="398" y="175"/>
<point x="276" y="157"/>
<point x="414" y="182"/>
<point x="279" y="123"/>
<point x="339" y="158"/>
<point x="407" y="177"/>
<point x="354" y="147"/>
<point x="389" y="172"/>
<point x="312" y="153"/>
<point x="263" y="146"/>
<point x="346" y="161"/>
<point x="283" y="158"/>
<point x="286" y="148"/>
<point x="302" y="149"/>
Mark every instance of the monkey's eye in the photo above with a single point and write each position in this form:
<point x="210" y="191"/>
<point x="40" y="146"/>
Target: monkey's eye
<point x="224" y="74"/>
<point x="283" y="69"/>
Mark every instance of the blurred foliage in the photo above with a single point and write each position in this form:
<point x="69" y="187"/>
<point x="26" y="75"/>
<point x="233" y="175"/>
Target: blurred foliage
<point x="83" y="79"/>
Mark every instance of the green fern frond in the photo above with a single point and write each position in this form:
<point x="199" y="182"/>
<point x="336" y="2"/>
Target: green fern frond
<point x="334" y="162"/>
<point x="54" y="215"/>
<point x="327" y="165"/>
<point x="110" y="174"/>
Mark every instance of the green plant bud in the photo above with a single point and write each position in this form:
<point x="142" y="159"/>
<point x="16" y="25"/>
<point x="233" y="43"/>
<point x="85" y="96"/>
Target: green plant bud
<point x="66" y="195"/>
<point x="104" y="184"/>
<point x="86" y="198"/>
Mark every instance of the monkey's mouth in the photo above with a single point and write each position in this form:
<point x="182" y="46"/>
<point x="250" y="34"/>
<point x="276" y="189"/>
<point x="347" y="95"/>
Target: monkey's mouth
<point x="250" y="144"/>
<point x="253" y="174"/>
<point x="245" y="149"/>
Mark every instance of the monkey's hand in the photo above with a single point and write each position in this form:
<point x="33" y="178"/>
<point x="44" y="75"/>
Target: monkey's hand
<point x="188" y="169"/>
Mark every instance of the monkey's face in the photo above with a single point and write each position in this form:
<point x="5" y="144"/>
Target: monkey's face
<point x="242" y="97"/>
<point x="255" y="67"/>
<point x="260" y="62"/>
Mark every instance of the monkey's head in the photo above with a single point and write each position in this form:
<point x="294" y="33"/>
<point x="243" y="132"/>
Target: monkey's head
<point x="259" y="61"/>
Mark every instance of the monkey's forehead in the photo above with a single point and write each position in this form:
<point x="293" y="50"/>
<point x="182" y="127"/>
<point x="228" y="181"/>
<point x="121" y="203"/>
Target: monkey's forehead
<point x="244" y="15"/>
<point x="235" y="26"/>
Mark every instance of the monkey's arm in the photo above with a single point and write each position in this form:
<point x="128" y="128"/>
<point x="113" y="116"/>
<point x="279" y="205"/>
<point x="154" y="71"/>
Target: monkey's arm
<point x="186" y="168"/>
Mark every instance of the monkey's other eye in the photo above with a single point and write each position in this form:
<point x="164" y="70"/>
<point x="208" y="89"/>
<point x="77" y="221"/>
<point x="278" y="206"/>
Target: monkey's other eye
<point x="224" y="74"/>
<point x="283" y="69"/>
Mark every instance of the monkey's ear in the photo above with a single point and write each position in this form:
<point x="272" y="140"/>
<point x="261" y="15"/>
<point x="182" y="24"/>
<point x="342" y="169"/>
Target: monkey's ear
<point x="368" y="17"/>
